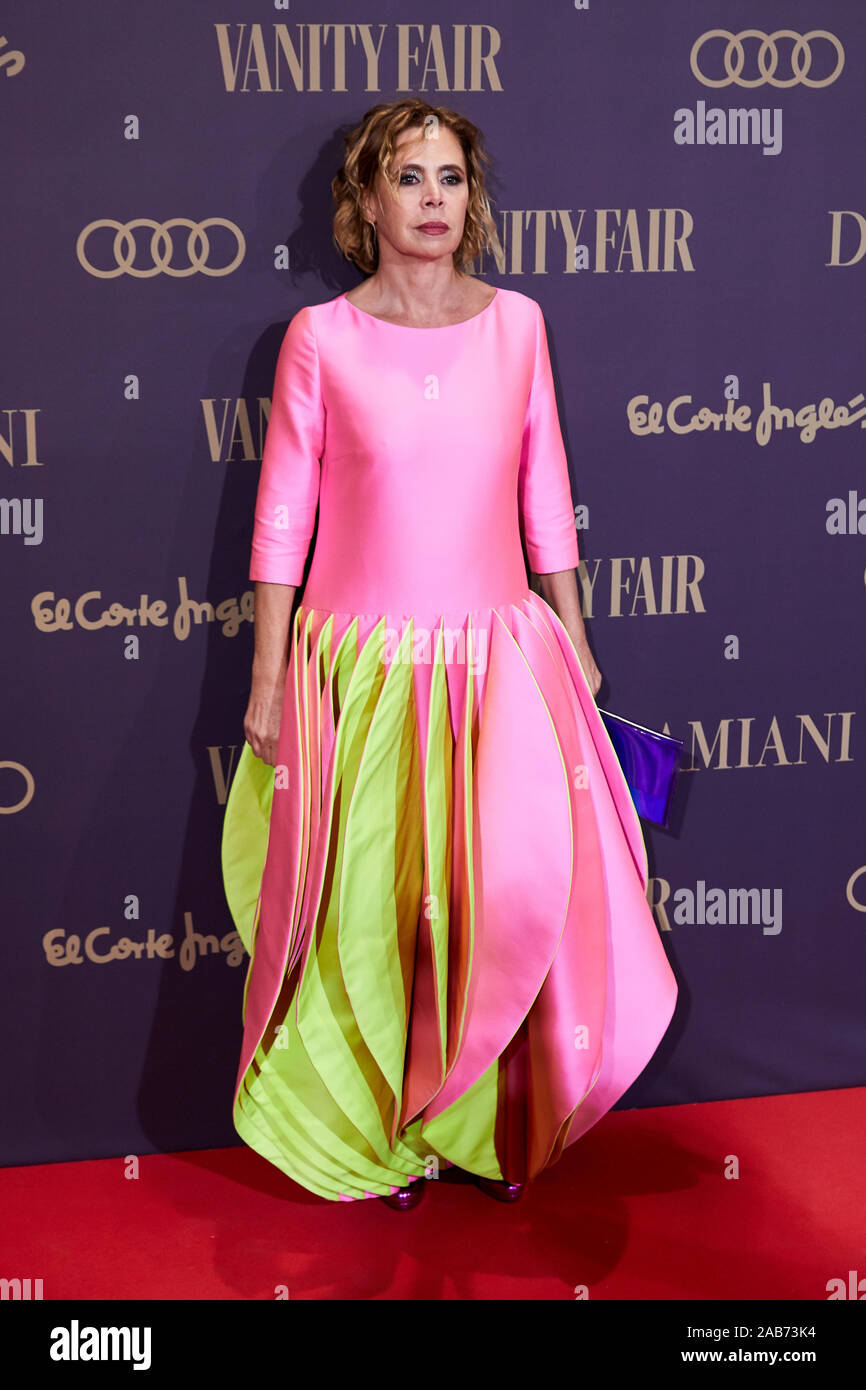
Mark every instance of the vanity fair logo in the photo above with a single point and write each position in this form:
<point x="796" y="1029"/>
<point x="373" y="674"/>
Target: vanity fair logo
<point x="636" y="240"/>
<point x="161" y="253"/>
<point x="222" y="772"/>
<point x="649" y="585"/>
<point x="750" y="59"/>
<point x="423" y="58"/>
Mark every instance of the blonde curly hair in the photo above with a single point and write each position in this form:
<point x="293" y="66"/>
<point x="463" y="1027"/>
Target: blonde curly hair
<point x="369" y="148"/>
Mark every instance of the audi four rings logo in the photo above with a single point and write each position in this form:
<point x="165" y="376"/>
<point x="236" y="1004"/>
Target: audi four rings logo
<point x="161" y="247"/>
<point x="734" y="58"/>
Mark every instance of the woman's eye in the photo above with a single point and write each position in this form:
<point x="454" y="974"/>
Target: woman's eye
<point x="449" y="178"/>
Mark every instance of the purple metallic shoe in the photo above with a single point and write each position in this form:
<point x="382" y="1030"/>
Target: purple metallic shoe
<point x="502" y="1191"/>
<point x="407" y="1197"/>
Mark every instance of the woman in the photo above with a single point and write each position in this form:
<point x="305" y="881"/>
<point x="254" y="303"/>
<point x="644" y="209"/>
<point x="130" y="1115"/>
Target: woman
<point x="429" y="848"/>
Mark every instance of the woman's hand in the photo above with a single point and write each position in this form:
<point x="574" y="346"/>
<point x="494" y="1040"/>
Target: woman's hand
<point x="587" y="661"/>
<point x="273" y="610"/>
<point x="262" y="720"/>
<point x="559" y="590"/>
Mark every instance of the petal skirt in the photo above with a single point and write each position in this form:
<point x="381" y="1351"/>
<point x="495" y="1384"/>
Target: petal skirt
<point x="442" y="889"/>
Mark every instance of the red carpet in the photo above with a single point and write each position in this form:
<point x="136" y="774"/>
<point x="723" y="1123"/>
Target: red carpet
<point x="640" y="1208"/>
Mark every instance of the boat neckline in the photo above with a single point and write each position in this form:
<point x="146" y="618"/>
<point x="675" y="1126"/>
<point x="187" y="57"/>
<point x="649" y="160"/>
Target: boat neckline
<point x="418" y="328"/>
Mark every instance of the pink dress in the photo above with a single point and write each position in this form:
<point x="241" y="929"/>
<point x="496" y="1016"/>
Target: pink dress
<point x="443" y="886"/>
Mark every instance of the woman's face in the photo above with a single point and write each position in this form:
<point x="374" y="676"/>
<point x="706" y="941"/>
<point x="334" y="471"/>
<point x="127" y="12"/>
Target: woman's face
<point x="429" y="173"/>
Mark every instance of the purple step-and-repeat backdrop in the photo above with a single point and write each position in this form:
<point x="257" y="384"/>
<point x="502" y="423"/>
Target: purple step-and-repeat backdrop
<point x="686" y="202"/>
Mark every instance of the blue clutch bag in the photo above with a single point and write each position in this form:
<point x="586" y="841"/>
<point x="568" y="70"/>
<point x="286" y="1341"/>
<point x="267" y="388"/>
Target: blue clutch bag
<point x="650" y="762"/>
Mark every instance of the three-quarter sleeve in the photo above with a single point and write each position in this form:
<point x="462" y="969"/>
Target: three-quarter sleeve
<point x="544" y="487"/>
<point x="288" y="491"/>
